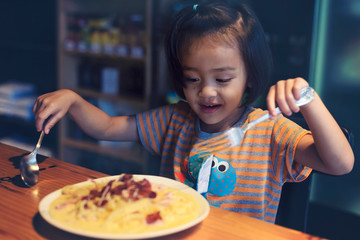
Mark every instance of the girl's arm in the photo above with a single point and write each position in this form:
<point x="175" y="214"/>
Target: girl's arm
<point x="92" y="120"/>
<point x="327" y="150"/>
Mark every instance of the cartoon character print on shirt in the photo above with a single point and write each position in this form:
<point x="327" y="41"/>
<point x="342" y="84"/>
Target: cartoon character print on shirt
<point x="192" y="169"/>
<point x="222" y="177"/>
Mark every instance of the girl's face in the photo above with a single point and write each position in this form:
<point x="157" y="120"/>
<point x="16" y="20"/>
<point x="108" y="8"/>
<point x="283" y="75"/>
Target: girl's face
<point x="215" y="81"/>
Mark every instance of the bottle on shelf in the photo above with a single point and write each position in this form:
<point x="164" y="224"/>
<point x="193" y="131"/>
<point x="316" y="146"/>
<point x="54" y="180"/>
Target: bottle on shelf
<point x="108" y="34"/>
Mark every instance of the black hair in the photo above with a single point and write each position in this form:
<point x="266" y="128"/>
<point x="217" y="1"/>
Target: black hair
<point x="231" y="21"/>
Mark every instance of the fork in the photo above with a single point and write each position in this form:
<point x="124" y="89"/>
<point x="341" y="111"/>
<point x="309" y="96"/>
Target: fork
<point x="233" y="136"/>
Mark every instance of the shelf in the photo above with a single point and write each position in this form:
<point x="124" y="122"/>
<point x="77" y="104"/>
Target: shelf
<point x="129" y="154"/>
<point x="136" y="102"/>
<point x="98" y="6"/>
<point x="105" y="56"/>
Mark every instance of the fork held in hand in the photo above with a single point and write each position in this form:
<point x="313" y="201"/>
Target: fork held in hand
<point x="233" y="136"/>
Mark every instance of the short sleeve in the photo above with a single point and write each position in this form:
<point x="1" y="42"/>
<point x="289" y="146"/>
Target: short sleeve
<point x="152" y="126"/>
<point x="286" y="136"/>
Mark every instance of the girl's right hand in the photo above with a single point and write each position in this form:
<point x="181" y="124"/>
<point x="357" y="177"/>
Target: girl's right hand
<point x="285" y="93"/>
<point x="51" y="107"/>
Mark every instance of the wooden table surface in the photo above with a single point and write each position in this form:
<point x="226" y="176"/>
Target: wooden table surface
<point x="20" y="218"/>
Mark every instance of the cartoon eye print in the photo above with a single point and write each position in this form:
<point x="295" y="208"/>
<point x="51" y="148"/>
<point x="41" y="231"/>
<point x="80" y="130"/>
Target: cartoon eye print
<point x="214" y="163"/>
<point x="223" y="167"/>
<point x="222" y="179"/>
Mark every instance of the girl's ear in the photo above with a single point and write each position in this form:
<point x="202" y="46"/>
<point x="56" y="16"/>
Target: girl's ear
<point x="246" y="94"/>
<point x="249" y="84"/>
<point x="244" y="99"/>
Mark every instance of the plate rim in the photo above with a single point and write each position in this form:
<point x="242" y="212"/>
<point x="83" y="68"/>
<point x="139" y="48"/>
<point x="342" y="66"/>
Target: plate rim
<point x="203" y="203"/>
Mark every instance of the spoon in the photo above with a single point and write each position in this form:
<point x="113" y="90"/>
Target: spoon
<point x="29" y="169"/>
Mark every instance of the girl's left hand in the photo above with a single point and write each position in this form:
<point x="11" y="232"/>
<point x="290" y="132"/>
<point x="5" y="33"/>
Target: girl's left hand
<point x="284" y="94"/>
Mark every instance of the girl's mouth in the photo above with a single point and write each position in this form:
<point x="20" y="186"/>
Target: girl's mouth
<point x="209" y="108"/>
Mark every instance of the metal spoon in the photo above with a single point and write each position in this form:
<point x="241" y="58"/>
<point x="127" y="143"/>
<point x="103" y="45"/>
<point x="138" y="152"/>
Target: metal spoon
<point x="29" y="169"/>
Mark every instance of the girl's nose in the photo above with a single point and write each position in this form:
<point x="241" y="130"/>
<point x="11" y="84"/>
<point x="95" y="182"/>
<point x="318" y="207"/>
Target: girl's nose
<point x="207" y="90"/>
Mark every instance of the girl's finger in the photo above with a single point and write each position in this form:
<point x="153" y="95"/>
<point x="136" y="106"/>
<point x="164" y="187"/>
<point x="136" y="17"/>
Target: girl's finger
<point x="290" y="97"/>
<point x="50" y="123"/>
<point x="42" y="115"/>
<point x="281" y="98"/>
<point x="299" y="84"/>
<point x="34" y="109"/>
<point x="270" y="99"/>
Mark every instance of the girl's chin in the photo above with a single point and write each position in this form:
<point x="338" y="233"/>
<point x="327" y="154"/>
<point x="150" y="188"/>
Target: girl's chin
<point x="211" y="126"/>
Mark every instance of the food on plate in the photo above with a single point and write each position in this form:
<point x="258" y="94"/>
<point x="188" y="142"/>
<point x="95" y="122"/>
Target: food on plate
<point x="125" y="205"/>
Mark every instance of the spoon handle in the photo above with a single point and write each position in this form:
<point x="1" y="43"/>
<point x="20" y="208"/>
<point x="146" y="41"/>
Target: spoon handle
<point x="39" y="142"/>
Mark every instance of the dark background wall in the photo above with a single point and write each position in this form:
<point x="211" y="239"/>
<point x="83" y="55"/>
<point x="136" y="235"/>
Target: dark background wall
<point x="28" y="33"/>
<point x="28" y="42"/>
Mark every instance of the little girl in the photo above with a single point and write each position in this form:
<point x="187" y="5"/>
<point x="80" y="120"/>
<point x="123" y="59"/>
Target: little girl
<point x="220" y="62"/>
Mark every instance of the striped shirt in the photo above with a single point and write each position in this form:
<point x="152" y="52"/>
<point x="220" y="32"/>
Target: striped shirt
<point x="247" y="178"/>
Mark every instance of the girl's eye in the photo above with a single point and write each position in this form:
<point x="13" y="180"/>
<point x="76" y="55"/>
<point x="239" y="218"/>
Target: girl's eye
<point x="192" y="79"/>
<point x="223" y="80"/>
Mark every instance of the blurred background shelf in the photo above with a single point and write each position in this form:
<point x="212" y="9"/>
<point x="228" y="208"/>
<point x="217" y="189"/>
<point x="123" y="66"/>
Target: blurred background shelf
<point x="112" y="56"/>
<point x="131" y="100"/>
<point x="129" y="152"/>
<point x="105" y="55"/>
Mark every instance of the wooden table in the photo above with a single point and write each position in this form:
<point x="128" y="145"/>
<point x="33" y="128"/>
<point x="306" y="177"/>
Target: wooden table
<point x="20" y="218"/>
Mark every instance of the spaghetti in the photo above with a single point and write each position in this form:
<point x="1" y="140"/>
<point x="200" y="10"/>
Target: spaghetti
<point x="125" y="205"/>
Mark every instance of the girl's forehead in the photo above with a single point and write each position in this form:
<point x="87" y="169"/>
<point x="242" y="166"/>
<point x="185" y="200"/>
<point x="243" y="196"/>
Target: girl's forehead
<point x="213" y="40"/>
<point x="209" y="54"/>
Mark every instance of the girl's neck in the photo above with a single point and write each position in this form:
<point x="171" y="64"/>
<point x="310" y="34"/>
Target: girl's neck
<point x="225" y="124"/>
